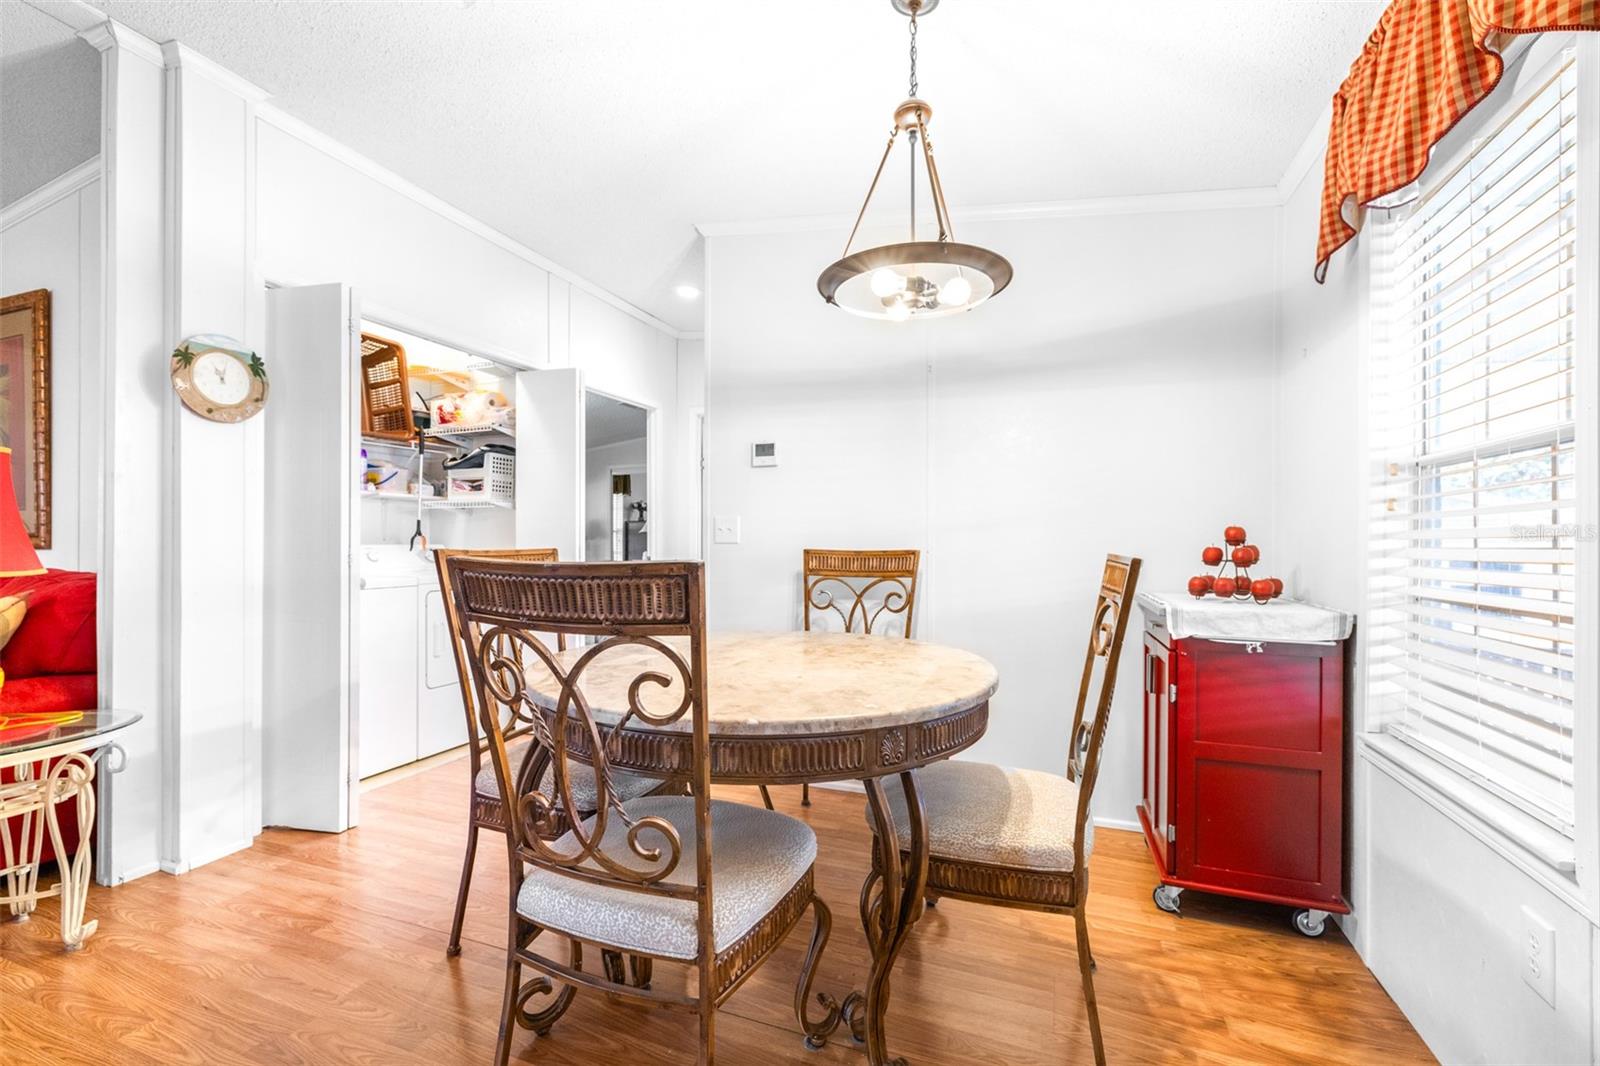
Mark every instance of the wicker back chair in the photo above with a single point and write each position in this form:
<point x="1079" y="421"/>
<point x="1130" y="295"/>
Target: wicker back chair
<point x="637" y="876"/>
<point x="485" y="810"/>
<point x="1020" y="838"/>
<point x="859" y="588"/>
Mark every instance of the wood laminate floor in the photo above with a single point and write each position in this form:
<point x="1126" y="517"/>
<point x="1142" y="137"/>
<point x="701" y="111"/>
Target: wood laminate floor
<point x="320" y="950"/>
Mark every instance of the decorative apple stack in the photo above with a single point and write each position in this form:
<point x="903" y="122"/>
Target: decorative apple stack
<point x="1237" y="585"/>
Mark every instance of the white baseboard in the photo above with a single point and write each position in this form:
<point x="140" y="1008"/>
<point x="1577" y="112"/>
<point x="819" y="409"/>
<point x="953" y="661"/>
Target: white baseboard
<point x="1126" y="824"/>
<point x="134" y="874"/>
<point x="194" y="862"/>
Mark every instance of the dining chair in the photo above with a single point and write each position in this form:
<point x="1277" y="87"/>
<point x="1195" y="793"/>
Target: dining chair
<point x="638" y="877"/>
<point x="1021" y="838"/>
<point x="858" y="587"/>
<point x="484" y="809"/>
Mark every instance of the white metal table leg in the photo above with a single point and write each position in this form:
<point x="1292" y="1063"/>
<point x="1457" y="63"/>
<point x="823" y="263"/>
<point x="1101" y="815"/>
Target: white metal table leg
<point x="22" y="864"/>
<point x="73" y="776"/>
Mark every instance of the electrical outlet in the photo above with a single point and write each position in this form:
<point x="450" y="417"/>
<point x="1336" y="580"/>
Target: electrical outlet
<point x="725" y="529"/>
<point x="1539" y="955"/>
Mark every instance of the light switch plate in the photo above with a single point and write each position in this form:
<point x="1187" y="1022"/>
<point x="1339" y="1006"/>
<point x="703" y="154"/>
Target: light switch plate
<point x="725" y="529"/>
<point x="1539" y="955"/>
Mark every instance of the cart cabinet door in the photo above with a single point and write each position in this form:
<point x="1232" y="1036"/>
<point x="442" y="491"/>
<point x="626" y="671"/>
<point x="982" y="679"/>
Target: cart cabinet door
<point x="1260" y="759"/>
<point x="1156" y="800"/>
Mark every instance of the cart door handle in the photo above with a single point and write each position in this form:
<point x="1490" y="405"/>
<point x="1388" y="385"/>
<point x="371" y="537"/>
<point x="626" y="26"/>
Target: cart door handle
<point x="1172" y="693"/>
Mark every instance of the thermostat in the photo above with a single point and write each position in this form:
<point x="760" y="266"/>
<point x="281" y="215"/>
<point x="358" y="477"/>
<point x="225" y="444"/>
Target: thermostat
<point x="764" y="453"/>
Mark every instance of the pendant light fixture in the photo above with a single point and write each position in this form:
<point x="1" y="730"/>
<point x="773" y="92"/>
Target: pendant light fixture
<point x="913" y="279"/>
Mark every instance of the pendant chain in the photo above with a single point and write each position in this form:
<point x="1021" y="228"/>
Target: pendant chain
<point x="913" y="52"/>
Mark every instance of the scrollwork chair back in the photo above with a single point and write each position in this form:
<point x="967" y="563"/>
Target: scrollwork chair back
<point x="1106" y="633"/>
<point x="479" y="745"/>
<point x="485" y="810"/>
<point x="502" y="607"/>
<point x="860" y="587"/>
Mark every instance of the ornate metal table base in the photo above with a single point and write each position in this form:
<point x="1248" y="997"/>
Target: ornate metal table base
<point x="892" y="901"/>
<point x="33" y="801"/>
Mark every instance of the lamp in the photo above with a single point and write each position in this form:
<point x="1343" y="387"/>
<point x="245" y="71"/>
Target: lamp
<point x="913" y="279"/>
<point x="17" y="557"/>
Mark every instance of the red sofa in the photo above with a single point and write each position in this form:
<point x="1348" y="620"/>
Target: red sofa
<point x="50" y="662"/>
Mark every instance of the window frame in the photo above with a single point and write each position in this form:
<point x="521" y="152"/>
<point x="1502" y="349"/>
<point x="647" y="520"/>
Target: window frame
<point x="1566" y="866"/>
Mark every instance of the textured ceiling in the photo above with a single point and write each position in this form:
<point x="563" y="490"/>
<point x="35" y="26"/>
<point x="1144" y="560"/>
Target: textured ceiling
<point x="600" y="133"/>
<point x="49" y="100"/>
<point x="608" y="421"/>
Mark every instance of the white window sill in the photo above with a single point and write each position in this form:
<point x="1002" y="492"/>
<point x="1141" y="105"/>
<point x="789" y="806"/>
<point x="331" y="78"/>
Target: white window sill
<point x="1542" y="853"/>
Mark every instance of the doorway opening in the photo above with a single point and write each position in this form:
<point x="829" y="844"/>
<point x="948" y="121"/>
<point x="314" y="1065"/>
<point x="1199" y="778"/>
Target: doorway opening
<point x="616" y="493"/>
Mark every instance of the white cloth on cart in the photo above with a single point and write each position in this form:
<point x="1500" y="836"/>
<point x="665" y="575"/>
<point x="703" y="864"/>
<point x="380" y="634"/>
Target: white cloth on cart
<point x="1279" y="621"/>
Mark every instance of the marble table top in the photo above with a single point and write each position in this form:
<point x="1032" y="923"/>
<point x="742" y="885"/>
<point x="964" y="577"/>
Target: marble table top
<point x="791" y="684"/>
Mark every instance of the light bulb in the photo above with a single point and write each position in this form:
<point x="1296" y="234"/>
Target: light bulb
<point x="886" y="282"/>
<point x="956" y="291"/>
<point x="899" y="311"/>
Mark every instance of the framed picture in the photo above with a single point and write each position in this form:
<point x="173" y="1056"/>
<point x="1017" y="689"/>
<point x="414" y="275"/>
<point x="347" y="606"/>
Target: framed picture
<point x="25" y="405"/>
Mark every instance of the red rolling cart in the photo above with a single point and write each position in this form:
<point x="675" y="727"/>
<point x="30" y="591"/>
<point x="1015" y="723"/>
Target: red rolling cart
<point x="1244" y="752"/>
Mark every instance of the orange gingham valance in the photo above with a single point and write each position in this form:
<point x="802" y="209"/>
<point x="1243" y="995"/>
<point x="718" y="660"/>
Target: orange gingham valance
<point x="1427" y="64"/>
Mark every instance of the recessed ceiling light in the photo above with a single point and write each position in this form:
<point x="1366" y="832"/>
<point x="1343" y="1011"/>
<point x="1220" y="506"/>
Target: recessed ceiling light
<point x="687" y="292"/>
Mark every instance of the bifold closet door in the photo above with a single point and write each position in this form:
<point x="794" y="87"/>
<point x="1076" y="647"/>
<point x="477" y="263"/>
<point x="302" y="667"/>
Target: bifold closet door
<point x="309" y="630"/>
<point x="550" y="461"/>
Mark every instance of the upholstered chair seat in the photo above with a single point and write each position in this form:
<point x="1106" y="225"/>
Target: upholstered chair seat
<point x="981" y="813"/>
<point x="759" y="856"/>
<point x="628" y="786"/>
<point x="1021" y="838"/>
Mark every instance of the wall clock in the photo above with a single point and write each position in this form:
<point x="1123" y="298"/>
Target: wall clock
<point x="216" y="377"/>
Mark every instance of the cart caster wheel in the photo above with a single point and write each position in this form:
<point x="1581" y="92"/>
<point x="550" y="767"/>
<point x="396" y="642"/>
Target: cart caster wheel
<point x="1166" y="898"/>
<point x="1311" y="923"/>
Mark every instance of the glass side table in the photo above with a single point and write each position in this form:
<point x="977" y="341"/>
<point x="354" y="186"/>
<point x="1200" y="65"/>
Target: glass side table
<point x="72" y="741"/>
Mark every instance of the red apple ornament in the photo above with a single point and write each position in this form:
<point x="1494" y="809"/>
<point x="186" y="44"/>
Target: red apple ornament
<point x="1234" y="535"/>
<point x="1261" y="589"/>
<point x="1212" y="556"/>
<point x="1198" y="587"/>
<point x="1241" y="556"/>
<point x="1223" y="587"/>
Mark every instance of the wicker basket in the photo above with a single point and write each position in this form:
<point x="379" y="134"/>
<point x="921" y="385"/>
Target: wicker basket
<point x="385" y="390"/>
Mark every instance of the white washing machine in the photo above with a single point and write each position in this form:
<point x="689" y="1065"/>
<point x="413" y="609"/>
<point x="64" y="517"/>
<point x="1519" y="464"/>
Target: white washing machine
<point x="410" y="700"/>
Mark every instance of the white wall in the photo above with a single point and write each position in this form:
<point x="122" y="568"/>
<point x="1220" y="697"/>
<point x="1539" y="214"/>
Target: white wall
<point x="321" y="218"/>
<point x="686" y="476"/>
<point x="51" y="240"/>
<point x="1437" y="909"/>
<point x="1134" y="350"/>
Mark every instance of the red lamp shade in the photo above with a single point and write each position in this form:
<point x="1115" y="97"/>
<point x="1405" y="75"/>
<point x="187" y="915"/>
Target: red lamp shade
<point x="17" y="557"/>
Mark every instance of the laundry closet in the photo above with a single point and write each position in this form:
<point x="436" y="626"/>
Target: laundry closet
<point x="381" y="443"/>
<point x="444" y="475"/>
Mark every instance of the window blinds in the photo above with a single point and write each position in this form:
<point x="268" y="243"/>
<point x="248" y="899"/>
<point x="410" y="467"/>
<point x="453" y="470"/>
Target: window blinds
<point x="1472" y="517"/>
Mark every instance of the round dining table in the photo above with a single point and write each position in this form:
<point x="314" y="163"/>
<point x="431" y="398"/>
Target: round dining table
<point x="813" y="707"/>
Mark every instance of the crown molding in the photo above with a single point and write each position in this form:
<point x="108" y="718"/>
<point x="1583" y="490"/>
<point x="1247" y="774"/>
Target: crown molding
<point x="692" y="335"/>
<point x="1089" y="207"/>
<point x="57" y="188"/>
<point x="276" y="117"/>
<point x="112" y="34"/>
<point x="178" y="56"/>
<point x="76" y="15"/>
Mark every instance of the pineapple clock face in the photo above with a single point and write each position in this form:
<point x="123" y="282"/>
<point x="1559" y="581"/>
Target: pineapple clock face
<point x="217" y="378"/>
